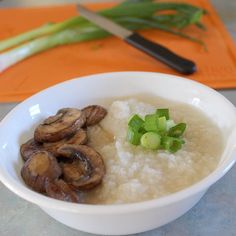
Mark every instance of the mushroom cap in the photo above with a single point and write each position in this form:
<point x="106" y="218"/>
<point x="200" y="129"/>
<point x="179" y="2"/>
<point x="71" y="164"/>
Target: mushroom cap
<point x="80" y="137"/>
<point x="62" y="125"/>
<point x="87" y="169"/>
<point x="60" y="190"/>
<point x="38" y="168"/>
<point x="94" y="114"/>
<point x="29" y="148"/>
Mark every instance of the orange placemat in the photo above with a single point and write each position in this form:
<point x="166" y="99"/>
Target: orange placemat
<point x="216" y="67"/>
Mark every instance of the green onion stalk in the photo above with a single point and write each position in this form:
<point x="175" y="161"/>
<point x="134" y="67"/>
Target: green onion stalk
<point x="132" y="14"/>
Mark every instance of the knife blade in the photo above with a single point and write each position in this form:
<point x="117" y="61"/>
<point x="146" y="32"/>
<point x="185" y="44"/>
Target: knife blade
<point x="156" y="50"/>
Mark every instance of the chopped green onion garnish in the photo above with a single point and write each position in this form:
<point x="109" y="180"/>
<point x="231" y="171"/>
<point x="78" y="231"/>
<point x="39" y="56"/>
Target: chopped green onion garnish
<point x="151" y="140"/>
<point x="163" y="112"/>
<point x="135" y="122"/>
<point x="170" y="124"/>
<point x="133" y="136"/>
<point x="150" y="123"/>
<point x="171" y="144"/>
<point x="177" y="130"/>
<point x="162" y="123"/>
<point x="156" y="131"/>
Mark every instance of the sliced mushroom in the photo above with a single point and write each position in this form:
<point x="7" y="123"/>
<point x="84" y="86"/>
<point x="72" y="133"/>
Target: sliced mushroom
<point x="80" y="137"/>
<point x="38" y="168"/>
<point x="60" y="190"/>
<point x="29" y="148"/>
<point x="63" y="124"/>
<point x="94" y="114"/>
<point x="87" y="169"/>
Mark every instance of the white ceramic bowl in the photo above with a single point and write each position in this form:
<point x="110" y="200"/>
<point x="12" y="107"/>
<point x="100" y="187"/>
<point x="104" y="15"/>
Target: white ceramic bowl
<point x="19" y="124"/>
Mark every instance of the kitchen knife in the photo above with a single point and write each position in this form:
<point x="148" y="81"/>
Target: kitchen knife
<point x="153" y="49"/>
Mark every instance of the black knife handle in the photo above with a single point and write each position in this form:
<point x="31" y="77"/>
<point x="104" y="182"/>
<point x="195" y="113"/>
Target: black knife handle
<point x="162" y="54"/>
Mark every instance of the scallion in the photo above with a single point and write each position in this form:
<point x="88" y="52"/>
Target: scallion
<point x="135" y="122"/>
<point x="133" y="136"/>
<point x="151" y="140"/>
<point x="132" y="14"/>
<point x="163" y="112"/>
<point x="150" y="123"/>
<point x="170" y="124"/>
<point x="156" y="131"/>
<point x="171" y="144"/>
<point x="162" y="124"/>
<point x="177" y="130"/>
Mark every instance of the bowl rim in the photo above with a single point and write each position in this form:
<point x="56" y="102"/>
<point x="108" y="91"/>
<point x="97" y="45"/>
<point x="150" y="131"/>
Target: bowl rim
<point x="50" y="203"/>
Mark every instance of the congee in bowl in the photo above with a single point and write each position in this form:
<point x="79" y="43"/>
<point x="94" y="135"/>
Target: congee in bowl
<point x="134" y="173"/>
<point x="99" y="165"/>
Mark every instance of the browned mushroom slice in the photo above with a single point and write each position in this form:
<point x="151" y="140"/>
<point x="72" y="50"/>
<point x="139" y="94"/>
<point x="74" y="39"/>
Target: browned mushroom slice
<point x="87" y="169"/>
<point x="38" y="168"/>
<point x="29" y="148"/>
<point x="80" y="137"/>
<point x="62" y="125"/>
<point x="60" y="190"/>
<point x="94" y="114"/>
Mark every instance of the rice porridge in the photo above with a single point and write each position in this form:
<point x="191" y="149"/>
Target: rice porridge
<point x="134" y="173"/>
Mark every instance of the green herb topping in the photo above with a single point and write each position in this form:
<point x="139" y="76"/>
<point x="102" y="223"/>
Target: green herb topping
<point x="156" y="131"/>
